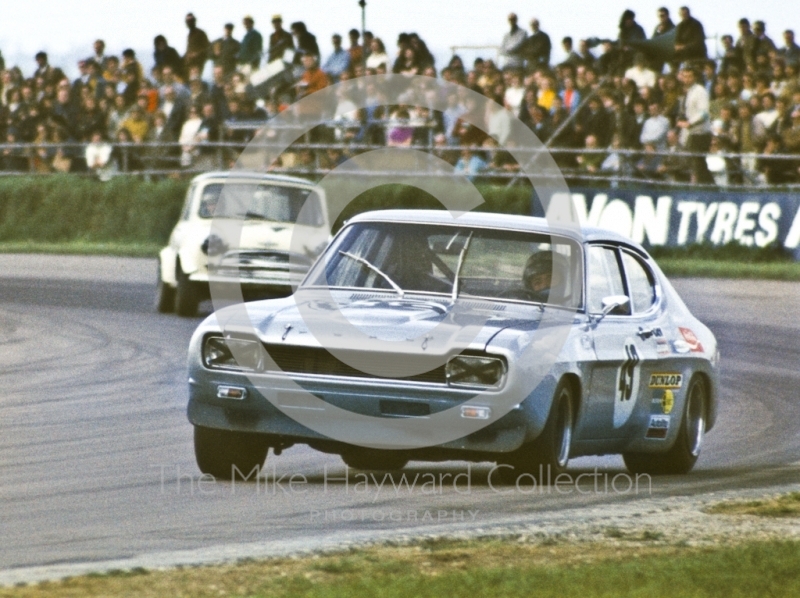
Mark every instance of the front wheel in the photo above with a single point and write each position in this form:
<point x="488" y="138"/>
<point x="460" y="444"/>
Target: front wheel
<point x="165" y="295"/>
<point x="230" y="455"/>
<point x="680" y="459"/>
<point x="186" y="296"/>
<point x="548" y="455"/>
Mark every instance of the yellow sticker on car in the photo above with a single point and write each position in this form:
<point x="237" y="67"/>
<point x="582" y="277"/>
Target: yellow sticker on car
<point x="667" y="402"/>
<point x="667" y="380"/>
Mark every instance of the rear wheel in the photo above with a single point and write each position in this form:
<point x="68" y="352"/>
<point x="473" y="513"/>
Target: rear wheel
<point x="375" y="459"/>
<point x="229" y="455"/>
<point x="186" y="295"/>
<point x="683" y="455"/>
<point x="165" y="295"/>
<point x="548" y="455"/>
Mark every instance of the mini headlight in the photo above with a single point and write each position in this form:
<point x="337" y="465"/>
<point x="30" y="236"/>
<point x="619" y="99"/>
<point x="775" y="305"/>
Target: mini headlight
<point x="233" y="354"/>
<point x="469" y="370"/>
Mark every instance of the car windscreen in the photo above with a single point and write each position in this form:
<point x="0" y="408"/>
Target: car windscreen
<point x="487" y="263"/>
<point x="260" y="201"/>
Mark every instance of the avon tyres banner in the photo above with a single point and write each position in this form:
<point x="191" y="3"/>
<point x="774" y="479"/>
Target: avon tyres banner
<point x="674" y="219"/>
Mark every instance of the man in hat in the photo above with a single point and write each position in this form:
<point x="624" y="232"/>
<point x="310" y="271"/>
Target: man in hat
<point x="280" y="40"/>
<point x="197" y="45"/>
<point x="252" y="44"/>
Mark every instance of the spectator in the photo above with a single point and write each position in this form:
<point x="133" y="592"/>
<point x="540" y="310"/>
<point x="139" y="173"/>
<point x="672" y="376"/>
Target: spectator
<point x="674" y="167"/>
<point x="775" y="171"/>
<point x="511" y="43"/>
<point x="655" y="128"/>
<point x="50" y="74"/>
<point x="536" y="47"/>
<point x="570" y="96"/>
<point x="136" y="124"/>
<point x="746" y="44"/>
<point x="764" y="45"/>
<point x="695" y="124"/>
<point x="166" y="55"/>
<point x="13" y="159"/>
<point x="189" y="137"/>
<point x="765" y="123"/>
<point x="690" y="38"/>
<point x="470" y="164"/>
<point x="280" y="40"/>
<point x="249" y="57"/>
<point x="584" y="54"/>
<point x="304" y="42"/>
<point x="595" y="121"/>
<point x="125" y="156"/>
<point x="174" y="110"/>
<point x="649" y="163"/>
<point x="91" y="119"/>
<point x="378" y="55"/>
<point x="629" y="31"/>
<point x="790" y="51"/>
<point x="514" y="93"/>
<point x="228" y="50"/>
<point x="357" y="56"/>
<point x="572" y="59"/>
<point x="731" y="56"/>
<point x="665" y="23"/>
<point x="640" y="74"/>
<point x="339" y="60"/>
<point x="100" y="57"/>
<point x="197" y="45"/>
<point x="98" y="156"/>
<point x="590" y="160"/>
<point x="160" y="154"/>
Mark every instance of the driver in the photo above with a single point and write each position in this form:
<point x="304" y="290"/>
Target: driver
<point x="544" y="277"/>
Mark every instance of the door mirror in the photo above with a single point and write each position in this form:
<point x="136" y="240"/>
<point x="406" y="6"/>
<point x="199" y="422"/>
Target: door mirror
<point x="612" y="302"/>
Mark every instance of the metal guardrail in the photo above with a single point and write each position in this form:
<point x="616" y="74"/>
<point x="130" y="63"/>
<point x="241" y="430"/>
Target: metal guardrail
<point x="164" y="159"/>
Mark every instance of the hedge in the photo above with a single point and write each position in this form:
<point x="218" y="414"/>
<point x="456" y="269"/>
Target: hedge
<point x="67" y="208"/>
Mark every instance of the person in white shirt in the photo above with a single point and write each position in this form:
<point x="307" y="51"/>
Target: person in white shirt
<point x="655" y="127"/>
<point x="695" y="124"/>
<point x="640" y="74"/>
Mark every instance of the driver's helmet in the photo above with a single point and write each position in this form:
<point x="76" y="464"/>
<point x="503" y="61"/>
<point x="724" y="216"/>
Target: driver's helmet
<point x="538" y="264"/>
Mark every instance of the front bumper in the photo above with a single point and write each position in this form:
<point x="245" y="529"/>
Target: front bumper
<point x="258" y="412"/>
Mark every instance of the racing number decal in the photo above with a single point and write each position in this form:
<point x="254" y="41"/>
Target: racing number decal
<point x="627" y="389"/>
<point x="625" y="384"/>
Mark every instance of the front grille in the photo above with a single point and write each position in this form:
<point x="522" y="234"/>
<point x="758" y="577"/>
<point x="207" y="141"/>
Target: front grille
<point x="314" y="360"/>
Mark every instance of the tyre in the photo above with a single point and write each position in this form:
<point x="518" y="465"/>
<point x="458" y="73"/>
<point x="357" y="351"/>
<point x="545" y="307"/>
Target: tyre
<point x="165" y="295"/>
<point x="375" y="460"/>
<point x="229" y="455"/>
<point x="548" y="455"/>
<point x="186" y="295"/>
<point x="679" y="459"/>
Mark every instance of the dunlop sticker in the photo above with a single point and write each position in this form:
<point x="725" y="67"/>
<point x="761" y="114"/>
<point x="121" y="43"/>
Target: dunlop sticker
<point x="667" y="380"/>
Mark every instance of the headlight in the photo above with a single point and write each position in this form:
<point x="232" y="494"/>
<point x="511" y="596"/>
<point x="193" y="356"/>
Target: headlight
<point x="468" y="370"/>
<point x="213" y="245"/>
<point x="233" y="354"/>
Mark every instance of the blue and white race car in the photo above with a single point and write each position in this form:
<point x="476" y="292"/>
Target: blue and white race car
<point x="487" y="337"/>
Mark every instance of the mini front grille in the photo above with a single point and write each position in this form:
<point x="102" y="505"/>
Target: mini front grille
<point x="314" y="360"/>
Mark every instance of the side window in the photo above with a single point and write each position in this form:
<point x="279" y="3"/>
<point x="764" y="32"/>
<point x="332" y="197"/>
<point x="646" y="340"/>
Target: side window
<point x="641" y="286"/>
<point x="604" y="277"/>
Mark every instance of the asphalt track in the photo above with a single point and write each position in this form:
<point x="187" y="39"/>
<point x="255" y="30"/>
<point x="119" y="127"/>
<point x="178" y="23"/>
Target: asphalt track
<point x="96" y="460"/>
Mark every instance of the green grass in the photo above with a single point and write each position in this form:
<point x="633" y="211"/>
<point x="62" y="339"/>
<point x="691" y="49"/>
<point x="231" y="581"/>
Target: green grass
<point x="485" y="568"/>
<point x="698" y="268"/>
<point x="786" y="505"/>
<point x="82" y="248"/>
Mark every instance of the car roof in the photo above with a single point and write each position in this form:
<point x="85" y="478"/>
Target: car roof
<point x="251" y="175"/>
<point x="494" y="220"/>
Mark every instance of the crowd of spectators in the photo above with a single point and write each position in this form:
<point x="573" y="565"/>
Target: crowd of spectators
<point x="655" y="108"/>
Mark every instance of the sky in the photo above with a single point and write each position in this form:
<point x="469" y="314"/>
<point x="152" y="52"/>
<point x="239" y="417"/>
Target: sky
<point x="67" y="28"/>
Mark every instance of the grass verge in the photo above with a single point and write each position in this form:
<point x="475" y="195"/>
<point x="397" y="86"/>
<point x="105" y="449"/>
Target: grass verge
<point x="82" y="248"/>
<point x="470" y="568"/>
<point x="701" y="268"/>
<point x="786" y="505"/>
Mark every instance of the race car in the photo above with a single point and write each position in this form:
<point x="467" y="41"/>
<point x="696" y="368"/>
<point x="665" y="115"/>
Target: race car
<point x="258" y="258"/>
<point x="418" y="335"/>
